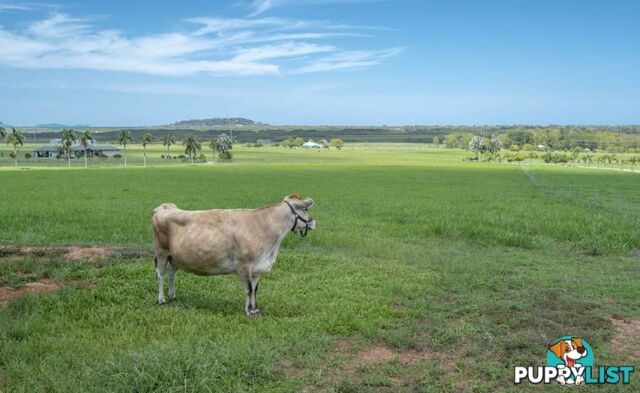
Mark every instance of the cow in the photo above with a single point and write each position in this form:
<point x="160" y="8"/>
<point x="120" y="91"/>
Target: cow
<point x="225" y="241"/>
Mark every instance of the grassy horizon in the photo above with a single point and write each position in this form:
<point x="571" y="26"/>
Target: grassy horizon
<point x="470" y="267"/>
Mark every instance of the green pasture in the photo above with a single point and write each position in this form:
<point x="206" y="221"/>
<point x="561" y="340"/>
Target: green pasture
<point x="459" y="270"/>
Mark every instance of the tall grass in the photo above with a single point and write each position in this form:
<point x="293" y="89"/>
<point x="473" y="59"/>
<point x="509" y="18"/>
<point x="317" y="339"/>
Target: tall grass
<point x="414" y="250"/>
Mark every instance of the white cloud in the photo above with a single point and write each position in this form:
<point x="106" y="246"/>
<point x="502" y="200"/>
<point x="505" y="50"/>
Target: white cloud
<point x="262" y="6"/>
<point x="219" y="46"/>
<point x="350" y="59"/>
<point x="57" y="26"/>
<point x="217" y="25"/>
<point x="289" y="49"/>
<point x="5" y="6"/>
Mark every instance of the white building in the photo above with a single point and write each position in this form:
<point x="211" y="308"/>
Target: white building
<point x="310" y="144"/>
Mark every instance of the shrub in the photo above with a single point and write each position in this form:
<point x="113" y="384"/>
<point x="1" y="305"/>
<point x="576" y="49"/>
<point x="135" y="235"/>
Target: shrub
<point x="555" y="158"/>
<point x="337" y="143"/>
<point x="27" y="155"/>
<point x="117" y="155"/>
<point x="225" y="155"/>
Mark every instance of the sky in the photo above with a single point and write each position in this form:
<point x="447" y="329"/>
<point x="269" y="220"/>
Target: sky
<point x="320" y="62"/>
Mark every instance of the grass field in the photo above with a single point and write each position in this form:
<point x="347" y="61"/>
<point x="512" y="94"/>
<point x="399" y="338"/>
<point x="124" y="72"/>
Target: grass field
<point x="425" y="273"/>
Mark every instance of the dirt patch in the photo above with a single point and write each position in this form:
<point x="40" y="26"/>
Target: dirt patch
<point x="42" y="286"/>
<point x="626" y="341"/>
<point x="11" y="258"/>
<point x="352" y="361"/>
<point x="71" y="253"/>
<point x="89" y="254"/>
<point x="376" y="355"/>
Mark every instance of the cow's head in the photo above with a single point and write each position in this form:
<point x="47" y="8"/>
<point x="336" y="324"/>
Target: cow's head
<point x="300" y="210"/>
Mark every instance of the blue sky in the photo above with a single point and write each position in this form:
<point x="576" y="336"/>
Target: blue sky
<point x="364" y="62"/>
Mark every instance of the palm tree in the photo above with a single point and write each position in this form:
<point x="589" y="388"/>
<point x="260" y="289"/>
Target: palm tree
<point x="123" y="139"/>
<point x="169" y="140"/>
<point x="476" y="145"/>
<point x="146" y="140"/>
<point x="67" y="139"/>
<point x="3" y="132"/>
<point x="85" y="137"/>
<point x="191" y="146"/>
<point x="634" y="160"/>
<point x="15" y="138"/>
<point x="213" y="145"/>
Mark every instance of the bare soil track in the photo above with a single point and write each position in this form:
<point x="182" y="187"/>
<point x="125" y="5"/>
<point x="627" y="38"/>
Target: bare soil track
<point x="41" y="286"/>
<point x="74" y="254"/>
<point x="71" y="253"/>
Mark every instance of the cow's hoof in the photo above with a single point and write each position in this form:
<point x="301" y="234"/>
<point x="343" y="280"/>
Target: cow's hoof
<point x="254" y="313"/>
<point x="161" y="302"/>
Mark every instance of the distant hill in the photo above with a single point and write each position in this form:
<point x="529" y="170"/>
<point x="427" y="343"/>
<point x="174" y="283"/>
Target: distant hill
<point x="58" y="125"/>
<point x="216" y="121"/>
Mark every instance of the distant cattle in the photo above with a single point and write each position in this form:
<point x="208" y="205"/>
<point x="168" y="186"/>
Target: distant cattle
<point x="225" y="241"/>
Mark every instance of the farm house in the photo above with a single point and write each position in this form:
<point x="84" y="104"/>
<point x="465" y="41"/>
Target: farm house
<point x="50" y="151"/>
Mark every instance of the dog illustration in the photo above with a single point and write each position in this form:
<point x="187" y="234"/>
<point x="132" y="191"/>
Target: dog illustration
<point x="569" y="351"/>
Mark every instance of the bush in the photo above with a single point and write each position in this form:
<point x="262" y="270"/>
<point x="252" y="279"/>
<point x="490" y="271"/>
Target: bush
<point x="225" y="155"/>
<point x="12" y="155"/>
<point x="27" y="155"/>
<point x="337" y="143"/>
<point x="117" y="155"/>
<point x="555" y="158"/>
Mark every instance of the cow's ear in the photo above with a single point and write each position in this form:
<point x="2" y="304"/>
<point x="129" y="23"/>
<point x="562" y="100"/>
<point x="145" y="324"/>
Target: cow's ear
<point x="308" y="203"/>
<point x="557" y="348"/>
<point x="292" y="196"/>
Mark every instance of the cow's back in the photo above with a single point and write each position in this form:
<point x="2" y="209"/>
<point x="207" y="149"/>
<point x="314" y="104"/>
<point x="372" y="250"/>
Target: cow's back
<point x="201" y="242"/>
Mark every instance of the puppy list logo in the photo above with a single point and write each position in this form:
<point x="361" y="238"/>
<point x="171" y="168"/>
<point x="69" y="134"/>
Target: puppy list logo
<point x="570" y="362"/>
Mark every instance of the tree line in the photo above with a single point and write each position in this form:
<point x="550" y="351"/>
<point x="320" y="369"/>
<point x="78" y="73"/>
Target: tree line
<point x="550" y="138"/>
<point x="70" y="138"/>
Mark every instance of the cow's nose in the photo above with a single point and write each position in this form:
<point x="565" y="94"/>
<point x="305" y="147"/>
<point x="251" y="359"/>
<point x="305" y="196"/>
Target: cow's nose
<point x="581" y="350"/>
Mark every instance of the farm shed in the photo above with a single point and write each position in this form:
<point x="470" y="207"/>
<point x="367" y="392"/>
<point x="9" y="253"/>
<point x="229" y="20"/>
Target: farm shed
<point x="95" y="150"/>
<point x="45" y="151"/>
<point x="50" y="151"/>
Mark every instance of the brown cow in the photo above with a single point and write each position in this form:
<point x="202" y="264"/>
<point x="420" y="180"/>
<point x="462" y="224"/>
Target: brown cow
<point x="225" y="241"/>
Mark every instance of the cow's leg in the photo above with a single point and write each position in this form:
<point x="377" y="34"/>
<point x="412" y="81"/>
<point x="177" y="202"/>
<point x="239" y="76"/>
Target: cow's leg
<point x="172" y="279"/>
<point x="161" y="267"/>
<point x="245" y="280"/>
<point x="254" y="294"/>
